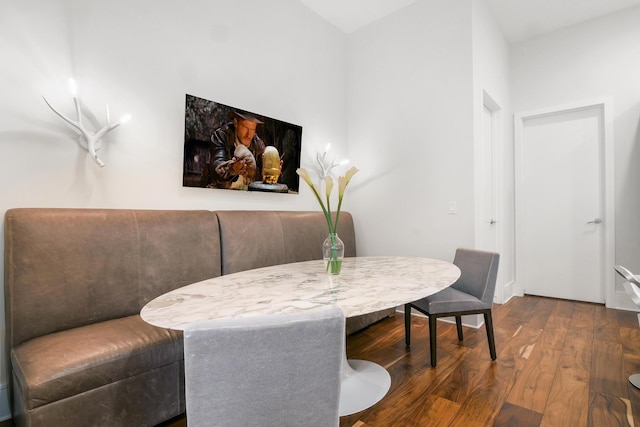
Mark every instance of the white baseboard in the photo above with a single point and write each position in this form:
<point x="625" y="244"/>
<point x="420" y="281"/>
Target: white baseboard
<point x="475" y="321"/>
<point x="622" y="302"/>
<point x="509" y="291"/>
<point x="5" y="410"/>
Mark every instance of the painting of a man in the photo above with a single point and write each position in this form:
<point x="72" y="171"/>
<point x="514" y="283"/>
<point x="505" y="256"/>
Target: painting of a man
<point x="224" y="147"/>
<point x="236" y="153"/>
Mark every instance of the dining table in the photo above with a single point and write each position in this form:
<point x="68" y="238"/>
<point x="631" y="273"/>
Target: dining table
<point x="365" y="285"/>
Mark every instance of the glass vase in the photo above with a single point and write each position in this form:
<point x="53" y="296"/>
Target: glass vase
<point x="333" y="253"/>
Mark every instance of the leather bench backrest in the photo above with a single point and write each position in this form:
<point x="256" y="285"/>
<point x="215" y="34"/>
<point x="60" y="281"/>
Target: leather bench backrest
<point x="253" y="239"/>
<point x="66" y="268"/>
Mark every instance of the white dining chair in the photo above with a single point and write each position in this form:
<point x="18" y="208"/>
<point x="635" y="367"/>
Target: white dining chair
<point x="631" y="287"/>
<point x="627" y="275"/>
<point x="267" y="371"/>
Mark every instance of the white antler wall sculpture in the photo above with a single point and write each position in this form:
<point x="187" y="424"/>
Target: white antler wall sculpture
<point x="93" y="140"/>
<point x="324" y="167"/>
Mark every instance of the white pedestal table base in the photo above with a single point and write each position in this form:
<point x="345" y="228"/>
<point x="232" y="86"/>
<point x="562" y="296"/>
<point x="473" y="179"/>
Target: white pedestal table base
<point x="364" y="384"/>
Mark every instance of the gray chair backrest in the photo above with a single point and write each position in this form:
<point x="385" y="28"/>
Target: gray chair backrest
<point x="278" y="370"/>
<point x="479" y="273"/>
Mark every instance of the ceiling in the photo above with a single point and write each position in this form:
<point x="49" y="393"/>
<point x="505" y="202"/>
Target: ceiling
<point x="519" y="19"/>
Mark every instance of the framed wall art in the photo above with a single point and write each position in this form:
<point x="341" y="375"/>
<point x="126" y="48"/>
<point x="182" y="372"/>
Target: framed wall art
<point x="230" y="148"/>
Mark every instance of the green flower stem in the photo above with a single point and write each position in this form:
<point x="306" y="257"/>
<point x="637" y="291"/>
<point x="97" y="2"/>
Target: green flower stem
<point x="334" y="265"/>
<point x="327" y="214"/>
<point x="335" y="224"/>
<point x="332" y="230"/>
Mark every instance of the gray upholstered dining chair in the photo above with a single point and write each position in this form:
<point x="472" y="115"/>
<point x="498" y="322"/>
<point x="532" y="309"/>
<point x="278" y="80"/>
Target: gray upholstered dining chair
<point x="631" y="287"/>
<point x="472" y="293"/>
<point x="275" y="370"/>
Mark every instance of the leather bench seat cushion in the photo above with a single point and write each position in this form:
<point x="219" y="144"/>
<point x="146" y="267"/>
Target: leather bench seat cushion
<point x="68" y="363"/>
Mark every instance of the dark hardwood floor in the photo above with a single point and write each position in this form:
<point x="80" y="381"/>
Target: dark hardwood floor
<point x="560" y="363"/>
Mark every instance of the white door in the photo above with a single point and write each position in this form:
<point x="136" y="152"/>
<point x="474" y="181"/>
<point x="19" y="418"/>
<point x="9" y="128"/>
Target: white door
<point x="488" y="222"/>
<point x="561" y="212"/>
<point x="488" y="231"/>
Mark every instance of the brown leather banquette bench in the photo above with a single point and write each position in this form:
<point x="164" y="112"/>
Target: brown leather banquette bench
<point x="76" y="279"/>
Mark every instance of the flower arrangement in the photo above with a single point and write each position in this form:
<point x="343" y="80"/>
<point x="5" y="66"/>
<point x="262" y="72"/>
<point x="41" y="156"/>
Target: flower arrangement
<point x="334" y="259"/>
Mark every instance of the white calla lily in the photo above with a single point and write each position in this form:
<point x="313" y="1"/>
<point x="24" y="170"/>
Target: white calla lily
<point x="343" y="181"/>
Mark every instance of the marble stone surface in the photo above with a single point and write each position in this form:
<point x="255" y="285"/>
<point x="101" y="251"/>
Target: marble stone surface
<point x="365" y="285"/>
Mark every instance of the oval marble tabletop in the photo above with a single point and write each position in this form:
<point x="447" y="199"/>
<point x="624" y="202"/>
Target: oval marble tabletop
<point x="365" y="285"/>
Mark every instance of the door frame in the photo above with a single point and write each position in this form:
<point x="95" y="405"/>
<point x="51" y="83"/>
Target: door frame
<point x="496" y="188"/>
<point x="607" y="252"/>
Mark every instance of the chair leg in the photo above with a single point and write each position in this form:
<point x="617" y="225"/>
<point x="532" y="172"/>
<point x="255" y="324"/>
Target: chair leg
<point x="459" y="327"/>
<point x="488" y="322"/>
<point x="407" y="324"/>
<point x="433" y="333"/>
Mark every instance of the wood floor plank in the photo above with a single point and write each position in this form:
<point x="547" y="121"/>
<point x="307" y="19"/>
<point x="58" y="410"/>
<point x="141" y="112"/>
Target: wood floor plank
<point x="519" y="347"/>
<point x="579" y="340"/>
<point x="564" y="308"/>
<point x="555" y="332"/>
<point x="493" y="387"/>
<point x="523" y="307"/>
<point x="533" y="385"/>
<point x="515" y="416"/>
<point x="630" y="339"/>
<point x="608" y="410"/>
<point x="626" y="319"/>
<point x="632" y="366"/>
<point x="463" y="380"/>
<point x="607" y="369"/>
<point x="540" y="312"/>
<point x="440" y="412"/>
<point x="584" y="316"/>
<point x="570" y="388"/>
<point x="607" y="328"/>
<point x="430" y="411"/>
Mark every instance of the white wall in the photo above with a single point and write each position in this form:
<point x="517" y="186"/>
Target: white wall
<point x="142" y="60"/>
<point x="491" y="76"/>
<point x="594" y="60"/>
<point x="277" y="58"/>
<point x="410" y="122"/>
